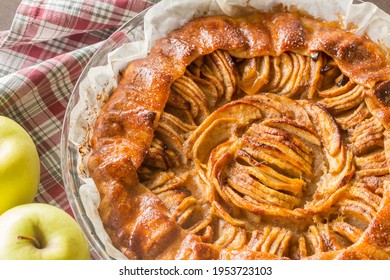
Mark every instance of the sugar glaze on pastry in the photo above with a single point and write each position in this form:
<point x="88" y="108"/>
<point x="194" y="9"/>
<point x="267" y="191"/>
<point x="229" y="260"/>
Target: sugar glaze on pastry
<point x="256" y="137"/>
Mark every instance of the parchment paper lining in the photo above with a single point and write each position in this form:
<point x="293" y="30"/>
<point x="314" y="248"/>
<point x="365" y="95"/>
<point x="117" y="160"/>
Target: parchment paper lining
<point x="101" y="81"/>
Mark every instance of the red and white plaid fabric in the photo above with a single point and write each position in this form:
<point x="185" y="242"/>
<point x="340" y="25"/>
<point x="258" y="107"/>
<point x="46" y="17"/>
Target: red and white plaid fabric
<point x="41" y="57"/>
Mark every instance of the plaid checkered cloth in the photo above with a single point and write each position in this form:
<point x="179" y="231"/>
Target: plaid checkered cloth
<point x="41" y="57"/>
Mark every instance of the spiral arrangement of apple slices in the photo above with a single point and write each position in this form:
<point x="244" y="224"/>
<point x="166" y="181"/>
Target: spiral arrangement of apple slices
<point x="271" y="142"/>
<point x="243" y="164"/>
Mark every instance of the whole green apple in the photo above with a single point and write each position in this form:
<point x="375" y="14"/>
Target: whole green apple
<point x="19" y="165"/>
<point x="38" y="231"/>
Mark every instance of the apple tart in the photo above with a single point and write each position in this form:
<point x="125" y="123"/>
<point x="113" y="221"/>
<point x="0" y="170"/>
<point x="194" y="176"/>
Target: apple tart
<point x="263" y="136"/>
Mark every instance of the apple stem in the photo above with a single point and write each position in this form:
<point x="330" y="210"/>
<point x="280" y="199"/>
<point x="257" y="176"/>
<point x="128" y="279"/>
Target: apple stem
<point x="31" y="238"/>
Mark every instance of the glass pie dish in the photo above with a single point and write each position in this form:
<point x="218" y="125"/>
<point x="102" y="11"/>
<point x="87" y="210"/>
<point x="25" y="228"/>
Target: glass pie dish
<point x="130" y="32"/>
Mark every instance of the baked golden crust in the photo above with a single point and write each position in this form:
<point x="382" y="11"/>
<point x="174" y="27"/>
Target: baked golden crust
<point x="255" y="137"/>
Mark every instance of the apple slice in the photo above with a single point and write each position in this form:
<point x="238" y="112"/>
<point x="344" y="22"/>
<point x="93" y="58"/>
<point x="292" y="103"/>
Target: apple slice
<point x="275" y="74"/>
<point x="254" y="74"/>
<point x="186" y="88"/>
<point x="337" y="89"/>
<point x="253" y="206"/>
<point x="285" y="69"/>
<point x="330" y="186"/>
<point x="325" y="125"/>
<point x="219" y="211"/>
<point x="246" y="184"/>
<point x="241" y="110"/>
<point x="352" y="118"/>
<point x="209" y="90"/>
<point x="366" y="135"/>
<point x="345" y="101"/>
<point x="291" y="147"/>
<point x="270" y="177"/>
<point x="222" y="66"/>
<point x="275" y="157"/>
<point x="316" y="64"/>
<point x="298" y="69"/>
<point x="352" y="233"/>
<point x="294" y="128"/>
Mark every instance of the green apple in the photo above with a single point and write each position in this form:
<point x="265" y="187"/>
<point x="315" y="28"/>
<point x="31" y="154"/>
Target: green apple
<point x="19" y="165"/>
<point x="39" y="231"/>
